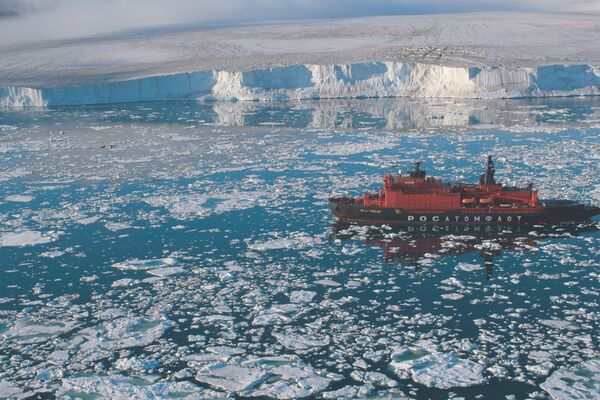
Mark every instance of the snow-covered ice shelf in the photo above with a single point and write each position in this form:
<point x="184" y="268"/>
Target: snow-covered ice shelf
<point x="312" y="81"/>
<point x="430" y="56"/>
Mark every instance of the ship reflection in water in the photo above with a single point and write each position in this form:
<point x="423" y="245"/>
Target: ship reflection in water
<point x="417" y="243"/>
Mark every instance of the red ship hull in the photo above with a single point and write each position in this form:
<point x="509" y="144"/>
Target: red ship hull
<point x="418" y="199"/>
<point x="553" y="211"/>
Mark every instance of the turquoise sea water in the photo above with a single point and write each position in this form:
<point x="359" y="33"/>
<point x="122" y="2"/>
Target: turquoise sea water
<point x="184" y="249"/>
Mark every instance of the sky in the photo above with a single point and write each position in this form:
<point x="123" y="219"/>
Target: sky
<point x="29" y="20"/>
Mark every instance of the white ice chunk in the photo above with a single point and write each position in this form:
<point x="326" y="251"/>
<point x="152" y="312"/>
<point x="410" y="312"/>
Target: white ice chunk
<point x="25" y="238"/>
<point x="123" y="282"/>
<point x="59" y="357"/>
<point x="452" y="296"/>
<point x="301" y="342"/>
<point x="135" y="364"/>
<point x="122" y="333"/>
<point x="558" y="324"/>
<point x="52" y="254"/>
<point x="144" y="265"/>
<point x="117" y="226"/>
<point x="302" y="296"/>
<point x="9" y="390"/>
<point x="439" y="370"/>
<point x="277" y="314"/>
<point x="271" y="319"/>
<point x="167" y="271"/>
<point x="282" y="377"/>
<point x="581" y="382"/>
<point x="347" y="392"/>
<point x="295" y="241"/>
<point x="19" y="198"/>
<point x="27" y="331"/>
<point x="120" y="387"/>
<point x="327" y="282"/>
<point x="232" y="378"/>
<point x="468" y="267"/>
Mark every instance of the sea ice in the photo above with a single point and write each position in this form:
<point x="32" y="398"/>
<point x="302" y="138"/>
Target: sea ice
<point x="284" y="377"/>
<point x="271" y="319"/>
<point x="117" y="226"/>
<point x="122" y="333"/>
<point x="439" y="370"/>
<point x="136" y="364"/>
<point x="123" y="282"/>
<point x="291" y="378"/>
<point x="581" y="382"/>
<point x="27" y="331"/>
<point x="232" y="377"/>
<point x="144" y="265"/>
<point x="452" y="296"/>
<point x="59" y="357"/>
<point x="347" y="392"/>
<point x="295" y="241"/>
<point x="19" y="198"/>
<point x="301" y="342"/>
<point x="121" y="387"/>
<point x="188" y="206"/>
<point x="9" y="390"/>
<point x="302" y="296"/>
<point x="277" y="314"/>
<point x="52" y="254"/>
<point x="182" y="207"/>
<point x="167" y="271"/>
<point x="25" y="238"/>
<point x="327" y="282"/>
<point x="468" y="267"/>
<point x="558" y="324"/>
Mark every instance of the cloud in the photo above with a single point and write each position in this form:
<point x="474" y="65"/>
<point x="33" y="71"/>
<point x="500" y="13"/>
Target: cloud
<point x="10" y="8"/>
<point x="25" y="20"/>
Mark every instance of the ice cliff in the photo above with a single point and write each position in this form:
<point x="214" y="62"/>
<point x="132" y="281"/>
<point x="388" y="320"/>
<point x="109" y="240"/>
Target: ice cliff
<point x="299" y="82"/>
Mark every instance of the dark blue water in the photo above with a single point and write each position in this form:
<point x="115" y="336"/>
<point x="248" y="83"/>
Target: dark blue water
<point x="182" y="249"/>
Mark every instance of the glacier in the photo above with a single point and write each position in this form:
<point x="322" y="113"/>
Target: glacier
<point x="317" y="81"/>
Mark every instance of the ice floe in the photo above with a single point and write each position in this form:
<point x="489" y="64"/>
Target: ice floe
<point x="581" y="382"/>
<point x="19" y="198"/>
<point x="433" y="369"/>
<point x="121" y="333"/>
<point x="166" y="271"/>
<point x="146" y="265"/>
<point x="9" y="390"/>
<point x="26" y="238"/>
<point x="294" y="241"/>
<point x="27" y="330"/>
<point x="136" y="364"/>
<point x="123" y="387"/>
<point x="294" y="341"/>
<point x="283" y="377"/>
<point x="468" y="267"/>
<point x="302" y="296"/>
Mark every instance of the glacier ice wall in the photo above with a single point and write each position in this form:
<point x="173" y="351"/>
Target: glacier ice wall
<point x="299" y="82"/>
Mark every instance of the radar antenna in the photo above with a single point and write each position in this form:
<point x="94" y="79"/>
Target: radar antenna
<point x="417" y="172"/>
